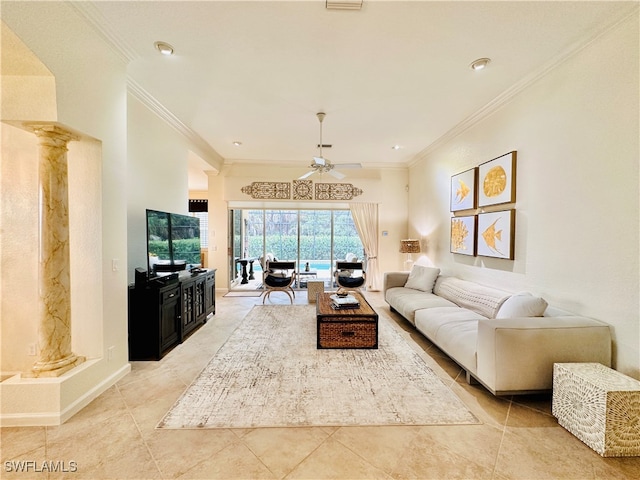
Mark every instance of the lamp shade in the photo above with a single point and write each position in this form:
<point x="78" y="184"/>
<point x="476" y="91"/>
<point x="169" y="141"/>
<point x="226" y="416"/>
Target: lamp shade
<point x="409" y="246"/>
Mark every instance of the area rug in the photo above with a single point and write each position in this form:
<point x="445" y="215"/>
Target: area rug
<point x="269" y="373"/>
<point x="244" y="293"/>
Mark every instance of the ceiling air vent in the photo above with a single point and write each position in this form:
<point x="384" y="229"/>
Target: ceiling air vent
<point x="344" y="4"/>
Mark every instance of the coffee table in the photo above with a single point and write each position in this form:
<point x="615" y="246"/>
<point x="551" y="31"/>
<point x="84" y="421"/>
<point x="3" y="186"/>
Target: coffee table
<point x="346" y="327"/>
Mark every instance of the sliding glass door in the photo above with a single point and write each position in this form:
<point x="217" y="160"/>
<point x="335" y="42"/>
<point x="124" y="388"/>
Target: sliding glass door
<point x="315" y="246"/>
<point x="314" y="239"/>
<point x="281" y="234"/>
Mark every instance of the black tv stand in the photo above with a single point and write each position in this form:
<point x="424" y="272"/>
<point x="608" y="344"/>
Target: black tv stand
<point x="163" y="314"/>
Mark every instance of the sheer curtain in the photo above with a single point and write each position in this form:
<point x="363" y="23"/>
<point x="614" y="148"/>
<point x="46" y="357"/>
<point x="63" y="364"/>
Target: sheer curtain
<point x="365" y="218"/>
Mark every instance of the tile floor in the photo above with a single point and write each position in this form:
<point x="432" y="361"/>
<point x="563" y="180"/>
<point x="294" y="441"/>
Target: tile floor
<point x="115" y="436"/>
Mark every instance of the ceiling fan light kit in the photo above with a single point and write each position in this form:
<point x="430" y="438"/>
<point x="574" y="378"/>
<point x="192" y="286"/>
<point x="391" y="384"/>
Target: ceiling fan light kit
<point x="343" y="4"/>
<point x="322" y="165"/>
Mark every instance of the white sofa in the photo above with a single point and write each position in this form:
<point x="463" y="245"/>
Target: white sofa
<point x="507" y="342"/>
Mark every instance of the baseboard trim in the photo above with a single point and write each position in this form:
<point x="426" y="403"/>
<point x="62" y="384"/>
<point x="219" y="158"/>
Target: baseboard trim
<point x="58" y="418"/>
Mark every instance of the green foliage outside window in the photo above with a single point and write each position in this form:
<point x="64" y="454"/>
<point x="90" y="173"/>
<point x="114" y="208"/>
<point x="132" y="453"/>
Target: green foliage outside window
<point x="286" y="247"/>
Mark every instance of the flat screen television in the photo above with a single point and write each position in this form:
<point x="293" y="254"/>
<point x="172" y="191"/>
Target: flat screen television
<point x="173" y="242"/>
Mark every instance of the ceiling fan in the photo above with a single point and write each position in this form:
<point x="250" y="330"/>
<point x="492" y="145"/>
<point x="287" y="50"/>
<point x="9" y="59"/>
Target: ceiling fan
<point x="322" y="165"/>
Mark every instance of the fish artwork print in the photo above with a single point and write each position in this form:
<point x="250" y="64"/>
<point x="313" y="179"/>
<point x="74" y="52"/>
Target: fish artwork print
<point x="490" y="235"/>
<point x="462" y="191"/>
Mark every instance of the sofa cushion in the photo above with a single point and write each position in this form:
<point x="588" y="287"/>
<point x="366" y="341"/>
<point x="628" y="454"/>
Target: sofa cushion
<point x="422" y="278"/>
<point x="459" y="340"/>
<point x="483" y="300"/>
<point x="407" y="300"/>
<point x="430" y="320"/>
<point x="522" y="305"/>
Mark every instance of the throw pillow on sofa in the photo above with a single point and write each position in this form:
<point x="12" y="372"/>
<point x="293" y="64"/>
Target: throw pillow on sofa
<point x="422" y="278"/>
<point x="522" y="305"/>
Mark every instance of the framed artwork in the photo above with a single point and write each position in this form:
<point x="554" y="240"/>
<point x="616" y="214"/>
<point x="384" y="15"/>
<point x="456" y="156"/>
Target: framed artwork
<point x="497" y="181"/>
<point x="496" y="234"/>
<point x="463" y="235"/>
<point x="463" y="190"/>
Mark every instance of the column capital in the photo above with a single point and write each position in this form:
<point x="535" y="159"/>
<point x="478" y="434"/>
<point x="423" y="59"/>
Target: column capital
<point x="51" y="133"/>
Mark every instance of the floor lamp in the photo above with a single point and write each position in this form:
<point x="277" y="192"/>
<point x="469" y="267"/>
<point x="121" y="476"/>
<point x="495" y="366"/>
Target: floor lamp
<point x="409" y="247"/>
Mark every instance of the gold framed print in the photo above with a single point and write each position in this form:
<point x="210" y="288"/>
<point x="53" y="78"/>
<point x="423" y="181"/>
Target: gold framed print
<point x="463" y="190"/>
<point x="463" y="235"/>
<point x="497" y="180"/>
<point x="496" y="234"/>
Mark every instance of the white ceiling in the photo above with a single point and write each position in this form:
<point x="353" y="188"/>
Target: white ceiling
<point x="392" y="73"/>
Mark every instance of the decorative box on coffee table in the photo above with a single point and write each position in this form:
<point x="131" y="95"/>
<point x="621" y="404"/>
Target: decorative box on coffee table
<point x="346" y="327"/>
<point x="598" y="405"/>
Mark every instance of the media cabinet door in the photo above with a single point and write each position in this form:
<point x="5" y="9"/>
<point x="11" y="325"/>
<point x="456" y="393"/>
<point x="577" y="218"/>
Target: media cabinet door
<point x="210" y="293"/>
<point x="169" y="318"/>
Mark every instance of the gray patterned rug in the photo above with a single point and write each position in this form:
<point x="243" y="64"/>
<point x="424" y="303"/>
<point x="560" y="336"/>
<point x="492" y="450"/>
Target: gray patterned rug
<point x="270" y="374"/>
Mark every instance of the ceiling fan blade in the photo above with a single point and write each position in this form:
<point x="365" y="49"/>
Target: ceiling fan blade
<point x="307" y="175"/>
<point x="337" y="174"/>
<point x="319" y="160"/>
<point x="347" y="165"/>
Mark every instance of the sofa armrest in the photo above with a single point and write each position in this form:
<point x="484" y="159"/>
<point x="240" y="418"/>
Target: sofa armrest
<point x="394" y="279"/>
<point x="516" y="355"/>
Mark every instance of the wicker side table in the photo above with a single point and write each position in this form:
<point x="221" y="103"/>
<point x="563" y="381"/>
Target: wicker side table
<point x="599" y="406"/>
<point x="314" y="287"/>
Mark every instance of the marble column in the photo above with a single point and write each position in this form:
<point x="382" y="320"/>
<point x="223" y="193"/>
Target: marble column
<point x="54" y="333"/>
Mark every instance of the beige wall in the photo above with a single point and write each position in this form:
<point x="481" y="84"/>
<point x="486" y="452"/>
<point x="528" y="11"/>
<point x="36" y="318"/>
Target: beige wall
<point x="577" y="224"/>
<point x="156" y="176"/>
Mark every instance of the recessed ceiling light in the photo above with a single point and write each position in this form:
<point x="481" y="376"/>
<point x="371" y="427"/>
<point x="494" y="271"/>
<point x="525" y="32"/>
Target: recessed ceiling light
<point x="480" y="63"/>
<point x="164" y="48"/>
<point x="237" y="144"/>
<point x="396" y="147"/>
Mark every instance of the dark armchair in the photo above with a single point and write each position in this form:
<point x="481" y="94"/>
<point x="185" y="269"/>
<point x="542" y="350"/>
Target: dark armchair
<point x="350" y="274"/>
<point x="279" y="276"/>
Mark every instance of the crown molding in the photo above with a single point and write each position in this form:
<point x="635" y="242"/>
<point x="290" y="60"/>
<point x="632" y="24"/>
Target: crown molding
<point x="127" y="54"/>
<point x="527" y="81"/>
<point x="99" y="23"/>
<point x="207" y="152"/>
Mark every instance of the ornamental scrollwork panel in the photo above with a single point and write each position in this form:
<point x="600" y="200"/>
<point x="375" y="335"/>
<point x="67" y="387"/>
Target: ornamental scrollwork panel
<point x="268" y="190"/>
<point x="302" y="190"/>
<point x="336" y="191"/>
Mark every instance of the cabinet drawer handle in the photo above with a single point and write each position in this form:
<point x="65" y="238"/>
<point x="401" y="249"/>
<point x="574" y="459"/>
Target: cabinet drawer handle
<point x="171" y="295"/>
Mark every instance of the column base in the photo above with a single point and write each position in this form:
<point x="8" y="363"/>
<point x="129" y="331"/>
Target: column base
<point x="56" y="368"/>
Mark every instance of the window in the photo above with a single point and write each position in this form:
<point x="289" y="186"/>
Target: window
<point x="204" y="228"/>
<point x="314" y="237"/>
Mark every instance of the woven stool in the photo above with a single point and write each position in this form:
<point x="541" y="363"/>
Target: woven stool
<point x="599" y="406"/>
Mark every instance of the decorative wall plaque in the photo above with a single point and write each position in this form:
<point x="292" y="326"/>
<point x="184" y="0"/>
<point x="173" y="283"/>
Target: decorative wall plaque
<point x="336" y="191"/>
<point x="268" y="190"/>
<point x="302" y="190"/>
